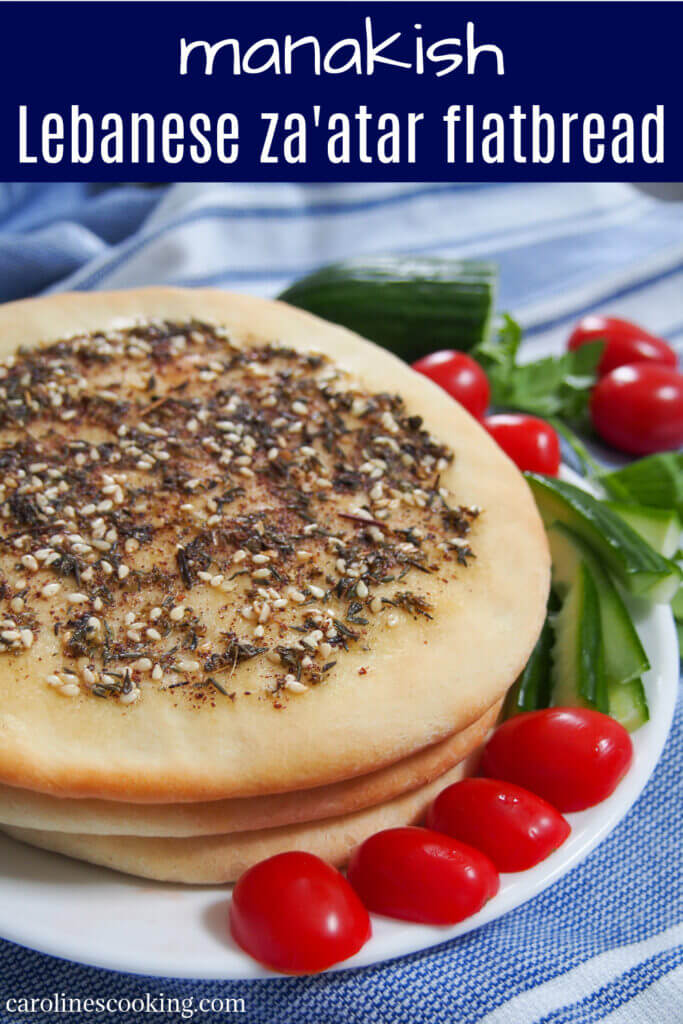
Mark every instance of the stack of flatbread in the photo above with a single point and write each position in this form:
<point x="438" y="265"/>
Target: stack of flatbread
<point x="262" y="587"/>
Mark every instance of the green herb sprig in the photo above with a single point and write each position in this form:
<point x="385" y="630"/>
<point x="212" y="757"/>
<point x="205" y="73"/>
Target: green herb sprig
<point x="554" y="386"/>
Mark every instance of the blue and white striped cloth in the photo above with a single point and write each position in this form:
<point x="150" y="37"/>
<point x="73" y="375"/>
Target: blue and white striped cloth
<point x="604" y="944"/>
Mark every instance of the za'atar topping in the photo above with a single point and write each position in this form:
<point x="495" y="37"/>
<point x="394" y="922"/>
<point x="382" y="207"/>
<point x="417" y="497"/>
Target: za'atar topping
<point x="173" y="504"/>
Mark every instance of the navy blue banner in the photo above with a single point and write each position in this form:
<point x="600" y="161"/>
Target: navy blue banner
<point x="341" y="91"/>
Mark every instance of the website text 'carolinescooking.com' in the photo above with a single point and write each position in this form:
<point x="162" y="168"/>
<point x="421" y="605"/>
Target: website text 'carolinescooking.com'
<point x="60" y="1003"/>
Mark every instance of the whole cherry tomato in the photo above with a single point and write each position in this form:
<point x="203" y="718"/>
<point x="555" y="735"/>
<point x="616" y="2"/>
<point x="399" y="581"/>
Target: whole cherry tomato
<point x="639" y="408"/>
<point x="513" y="827"/>
<point x="532" y="444"/>
<point x="460" y="376"/>
<point x="296" y="914"/>
<point x="571" y="757"/>
<point x="625" y="342"/>
<point x="418" y="875"/>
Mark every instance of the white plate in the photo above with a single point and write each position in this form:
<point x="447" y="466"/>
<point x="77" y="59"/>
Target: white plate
<point x="99" y="917"/>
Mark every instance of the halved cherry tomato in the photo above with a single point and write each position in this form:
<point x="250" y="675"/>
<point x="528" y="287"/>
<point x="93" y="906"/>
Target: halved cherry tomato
<point x="532" y="444"/>
<point x="415" y="874"/>
<point x="625" y="342"/>
<point x="296" y="914"/>
<point x="571" y="757"/>
<point x="460" y="376"/>
<point x="639" y="408"/>
<point x="513" y="827"/>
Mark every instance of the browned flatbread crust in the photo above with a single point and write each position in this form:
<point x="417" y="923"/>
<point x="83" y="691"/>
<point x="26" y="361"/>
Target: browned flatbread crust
<point x="23" y="808"/>
<point x="398" y="691"/>
<point x="206" y="860"/>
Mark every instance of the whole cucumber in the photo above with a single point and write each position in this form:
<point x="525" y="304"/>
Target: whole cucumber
<point x="411" y="305"/>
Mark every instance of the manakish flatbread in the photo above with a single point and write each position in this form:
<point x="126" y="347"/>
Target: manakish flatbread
<point x="24" y="808"/>
<point x="204" y="860"/>
<point x="230" y="568"/>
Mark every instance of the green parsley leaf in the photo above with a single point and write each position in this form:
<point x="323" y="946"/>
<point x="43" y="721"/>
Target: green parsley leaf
<point x="552" y="386"/>
<point x="655" y="480"/>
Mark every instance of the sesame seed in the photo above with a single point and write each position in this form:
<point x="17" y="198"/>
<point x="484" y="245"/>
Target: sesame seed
<point x="188" y="665"/>
<point x="361" y="589"/>
<point x="376" y="605"/>
<point x="157" y="672"/>
<point x="26" y="637"/>
<point x="29" y="562"/>
<point x="77" y="598"/>
<point x="70" y="689"/>
<point x="123" y="572"/>
<point x="17" y="604"/>
<point x="176" y="613"/>
<point x="294" y="686"/>
<point x="129" y="698"/>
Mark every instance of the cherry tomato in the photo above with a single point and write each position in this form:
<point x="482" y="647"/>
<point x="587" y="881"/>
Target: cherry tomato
<point x="532" y="444"/>
<point x="460" y="376"/>
<point x="418" y="875"/>
<point x="513" y="827"/>
<point x="296" y="914"/>
<point x="625" y="343"/>
<point x="571" y="757"/>
<point x="639" y="408"/>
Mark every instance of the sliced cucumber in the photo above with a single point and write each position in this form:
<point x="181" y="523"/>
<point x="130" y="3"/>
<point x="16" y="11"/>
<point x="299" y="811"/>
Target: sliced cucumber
<point x="532" y="688"/>
<point x="660" y="527"/>
<point x="625" y="657"/>
<point x="578" y="661"/>
<point x="640" y="568"/>
<point x="677" y="603"/>
<point x="628" y="704"/>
